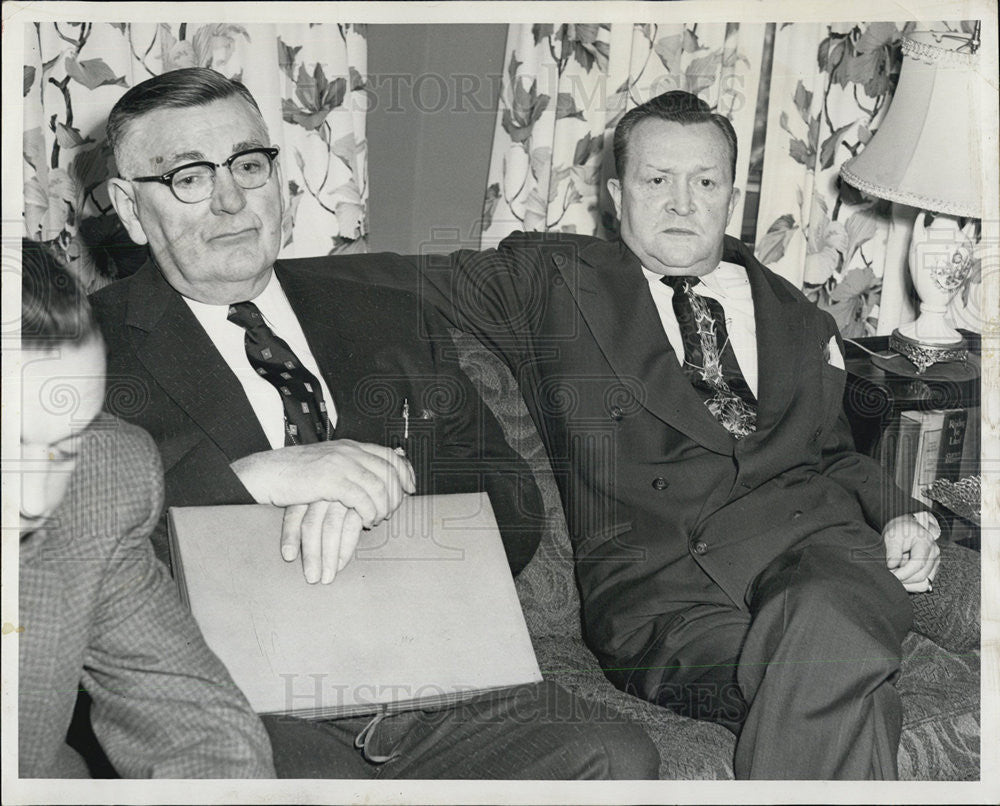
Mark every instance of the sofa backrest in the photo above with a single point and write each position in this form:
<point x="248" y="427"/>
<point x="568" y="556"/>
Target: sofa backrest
<point x="547" y="586"/>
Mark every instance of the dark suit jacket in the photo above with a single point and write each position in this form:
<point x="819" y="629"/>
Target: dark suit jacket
<point x="101" y="613"/>
<point x="664" y="507"/>
<point x="374" y="347"/>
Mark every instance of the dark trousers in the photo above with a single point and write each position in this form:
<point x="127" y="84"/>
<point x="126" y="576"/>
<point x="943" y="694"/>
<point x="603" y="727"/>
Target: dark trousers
<point x="529" y="733"/>
<point x="803" y="674"/>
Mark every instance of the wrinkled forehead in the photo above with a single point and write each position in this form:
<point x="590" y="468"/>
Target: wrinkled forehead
<point x="666" y="141"/>
<point x="213" y="131"/>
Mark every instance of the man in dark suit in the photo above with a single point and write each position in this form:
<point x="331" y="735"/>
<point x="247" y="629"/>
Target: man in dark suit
<point x="738" y="560"/>
<point x="278" y="384"/>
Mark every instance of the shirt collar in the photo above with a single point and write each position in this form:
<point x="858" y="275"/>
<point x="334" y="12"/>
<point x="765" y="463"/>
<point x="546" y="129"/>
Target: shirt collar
<point x="725" y="279"/>
<point x="264" y="300"/>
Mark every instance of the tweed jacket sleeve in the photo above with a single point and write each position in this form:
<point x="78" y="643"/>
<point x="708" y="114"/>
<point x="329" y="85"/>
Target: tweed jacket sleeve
<point x="163" y="704"/>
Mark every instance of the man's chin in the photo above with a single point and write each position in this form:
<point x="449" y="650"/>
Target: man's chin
<point x="245" y="263"/>
<point x="679" y="261"/>
<point x="685" y="259"/>
<point x="246" y="250"/>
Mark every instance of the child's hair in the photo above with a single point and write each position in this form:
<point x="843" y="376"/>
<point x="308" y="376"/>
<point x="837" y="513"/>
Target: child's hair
<point x="54" y="308"/>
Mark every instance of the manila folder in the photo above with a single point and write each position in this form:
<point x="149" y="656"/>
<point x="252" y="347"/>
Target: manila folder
<point x="424" y="615"/>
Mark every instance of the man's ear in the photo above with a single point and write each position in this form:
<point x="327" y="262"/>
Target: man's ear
<point x="615" y="191"/>
<point x="282" y="189"/>
<point x="123" y="199"/>
<point x="286" y="207"/>
<point x="734" y="199"/>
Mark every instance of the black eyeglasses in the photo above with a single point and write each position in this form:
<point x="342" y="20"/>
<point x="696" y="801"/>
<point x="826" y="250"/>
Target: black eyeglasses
<point x="195" y="181"/>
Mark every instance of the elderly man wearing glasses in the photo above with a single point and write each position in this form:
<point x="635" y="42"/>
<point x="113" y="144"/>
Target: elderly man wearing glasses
<point x="256" y="381"/>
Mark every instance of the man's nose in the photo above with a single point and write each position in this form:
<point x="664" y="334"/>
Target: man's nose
<point x="679" y="199"/>
<point x="227" y="196"/>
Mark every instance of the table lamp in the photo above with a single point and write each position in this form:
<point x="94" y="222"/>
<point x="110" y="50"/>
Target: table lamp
<point x="926" y="154"/>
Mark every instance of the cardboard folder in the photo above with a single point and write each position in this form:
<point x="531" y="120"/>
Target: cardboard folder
<point x="425" y="614"/>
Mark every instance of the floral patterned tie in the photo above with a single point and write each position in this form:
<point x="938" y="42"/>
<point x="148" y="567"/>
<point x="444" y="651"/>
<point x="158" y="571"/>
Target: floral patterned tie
<point x="713" y="370"/>
<point x="306" y="417"/>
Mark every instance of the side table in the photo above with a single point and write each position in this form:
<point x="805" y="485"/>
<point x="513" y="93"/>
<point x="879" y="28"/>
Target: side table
<point x="874" y="398"/>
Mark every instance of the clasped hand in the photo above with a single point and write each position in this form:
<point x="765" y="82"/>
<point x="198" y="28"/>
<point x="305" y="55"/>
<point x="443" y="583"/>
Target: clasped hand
<point x="330" y="491"/>
<point x="912" y="553"/>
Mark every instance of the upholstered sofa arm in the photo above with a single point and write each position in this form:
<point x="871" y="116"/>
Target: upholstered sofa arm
<point x="950" y="613"/>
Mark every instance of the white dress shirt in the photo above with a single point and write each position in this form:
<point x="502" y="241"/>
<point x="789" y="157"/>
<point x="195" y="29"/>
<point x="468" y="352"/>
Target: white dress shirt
<point x="229" y="340"/>
<point x="730" y="286"/>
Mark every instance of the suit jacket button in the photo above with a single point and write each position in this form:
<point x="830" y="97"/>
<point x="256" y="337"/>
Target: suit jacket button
<point x="701" y="547"/>
<point x="616" y="412"/>
<point x="660" y="483"/>
<point x="796" y="514"/>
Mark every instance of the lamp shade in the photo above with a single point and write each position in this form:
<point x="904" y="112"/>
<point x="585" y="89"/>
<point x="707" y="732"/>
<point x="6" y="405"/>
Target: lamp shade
<point x="926" y="152"/>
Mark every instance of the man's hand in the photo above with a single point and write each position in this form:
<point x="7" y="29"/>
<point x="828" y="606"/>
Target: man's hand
<point x="370" y="479"/>
<point x="911" y="553"/>
<point x="328" y="533"/>
<point x="331" y="491"/>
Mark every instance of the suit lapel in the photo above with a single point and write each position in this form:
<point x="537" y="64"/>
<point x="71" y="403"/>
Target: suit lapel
<point x="177" y="352"/>
<point x="326" y="316"/>
<point x="613" y="296"/>
<point x="780" y="329"/>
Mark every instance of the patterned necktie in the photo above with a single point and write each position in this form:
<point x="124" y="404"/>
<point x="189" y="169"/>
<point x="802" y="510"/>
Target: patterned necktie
<point x="306" y="418"/>
<point x="713" y="370"/>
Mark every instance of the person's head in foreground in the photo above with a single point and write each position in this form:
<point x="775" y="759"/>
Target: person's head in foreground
<point x="198" y="182"/>
<point x="675" y="161"/>
<point x="62" y="377"/>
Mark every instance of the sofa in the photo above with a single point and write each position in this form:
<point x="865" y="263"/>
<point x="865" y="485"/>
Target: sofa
<point x="939" y="682"/>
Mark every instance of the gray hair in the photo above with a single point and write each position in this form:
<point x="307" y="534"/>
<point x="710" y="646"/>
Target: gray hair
<point x="176" y="89"/>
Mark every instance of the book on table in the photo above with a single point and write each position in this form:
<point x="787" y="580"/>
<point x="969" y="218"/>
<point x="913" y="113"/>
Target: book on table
<point x="954" y="428"/>
<point x="922" y="429"/>
<point x="425" y="615"/>
<point x="930" y="446"/>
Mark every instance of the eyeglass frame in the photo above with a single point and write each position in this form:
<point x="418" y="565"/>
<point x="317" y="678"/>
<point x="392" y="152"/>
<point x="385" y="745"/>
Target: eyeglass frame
<point x="271" y="152"/>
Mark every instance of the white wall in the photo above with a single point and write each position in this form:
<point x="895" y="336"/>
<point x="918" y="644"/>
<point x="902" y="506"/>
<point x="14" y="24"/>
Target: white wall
<point x="430" y="130"/>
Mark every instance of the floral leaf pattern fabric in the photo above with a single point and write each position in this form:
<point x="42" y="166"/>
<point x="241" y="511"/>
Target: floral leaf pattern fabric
<point x="802" y="97"/>
<point x="308" y="79"/>
<point x="835" y="244"/>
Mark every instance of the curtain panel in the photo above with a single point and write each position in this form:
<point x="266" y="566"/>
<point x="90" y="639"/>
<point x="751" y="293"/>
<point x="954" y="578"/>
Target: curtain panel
<point x="802" y="97"/>
<point x="309" y="80"/>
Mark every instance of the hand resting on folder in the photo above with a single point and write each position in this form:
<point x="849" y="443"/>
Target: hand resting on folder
<point x="331" y="491"/>
<point x="327" y="532"/>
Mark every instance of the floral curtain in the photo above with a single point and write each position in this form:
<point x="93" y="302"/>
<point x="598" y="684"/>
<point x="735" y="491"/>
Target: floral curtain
<point x="566" y="87"/>
<point x="818" y="92"/>
<point x="309" y="81"/>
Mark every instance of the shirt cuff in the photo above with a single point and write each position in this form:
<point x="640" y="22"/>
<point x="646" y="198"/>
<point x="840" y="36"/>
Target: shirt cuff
<point x="929" y="522"/>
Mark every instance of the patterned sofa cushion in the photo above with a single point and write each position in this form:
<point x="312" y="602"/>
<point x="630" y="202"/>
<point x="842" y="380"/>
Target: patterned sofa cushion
<point x="940" y="694"/>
